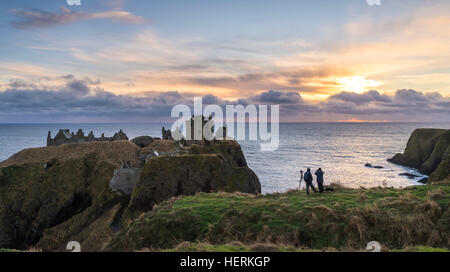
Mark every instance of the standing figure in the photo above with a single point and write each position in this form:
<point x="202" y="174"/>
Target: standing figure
<point x="309" y="180"/>
<point x="319" y="174"/>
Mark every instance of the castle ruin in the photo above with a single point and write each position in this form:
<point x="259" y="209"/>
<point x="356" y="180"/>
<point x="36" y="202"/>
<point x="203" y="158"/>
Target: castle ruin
<point x="166" y="134"/>
<point x="64" y="136"/>
<point x="195" y="129"/>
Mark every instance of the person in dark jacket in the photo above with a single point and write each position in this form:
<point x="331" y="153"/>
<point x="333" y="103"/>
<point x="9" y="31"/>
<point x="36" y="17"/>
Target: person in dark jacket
<point x="308" y="180"/>
<point x="319" y="174"/>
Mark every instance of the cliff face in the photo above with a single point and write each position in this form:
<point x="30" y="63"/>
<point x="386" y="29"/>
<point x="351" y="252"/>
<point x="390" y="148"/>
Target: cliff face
<point x="55" y="203"/>
<point x="52" y="195"/>
<point x="165" y="177"/>
<point x="428" y="150"/>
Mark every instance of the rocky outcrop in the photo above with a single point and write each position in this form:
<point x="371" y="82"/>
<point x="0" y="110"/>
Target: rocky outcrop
<point x="230" y="150"/>
<point x="428" y="150"/>
<point x="86" y="192"/>
<point x="368" y="165"/>
<point x="124" y="179"/>
<point x="142" y="141"/>
<point x="35" y="201"/>
<point x="408" y="175"/>
<point x="165" y="177"/>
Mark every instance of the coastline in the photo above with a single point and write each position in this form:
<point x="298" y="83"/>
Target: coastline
<point x="300" y="147"/>
<point x="120" y="196"/>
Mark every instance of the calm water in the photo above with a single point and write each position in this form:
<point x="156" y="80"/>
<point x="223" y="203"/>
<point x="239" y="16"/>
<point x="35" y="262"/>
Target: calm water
<point x="341" y="149"/>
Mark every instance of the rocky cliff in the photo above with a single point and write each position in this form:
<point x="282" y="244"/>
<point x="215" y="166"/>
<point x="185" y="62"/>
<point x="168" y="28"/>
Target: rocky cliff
<point x="428" y="150"/>
<point x="194" y="173"/>
<point x="52" y="195"/>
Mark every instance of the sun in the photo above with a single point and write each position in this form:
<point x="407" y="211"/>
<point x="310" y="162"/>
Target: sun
<point x="357" y="84"/>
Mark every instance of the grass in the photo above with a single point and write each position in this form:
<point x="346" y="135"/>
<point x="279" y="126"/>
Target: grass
<point x="342" y="220"/>
<point x="114" y="153"/>
<point x="240" y="247"/>
<point x="268" y="247"/>
<point x="4" y="250"/>
<point x="32" y="249"/>
<point x="233" y="247"/>
<point x="422" y="249"/>
<point x="160" y="146"/>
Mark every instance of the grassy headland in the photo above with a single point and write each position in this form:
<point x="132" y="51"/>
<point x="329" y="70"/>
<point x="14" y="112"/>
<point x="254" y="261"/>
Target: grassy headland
<point x="415" y="218"/>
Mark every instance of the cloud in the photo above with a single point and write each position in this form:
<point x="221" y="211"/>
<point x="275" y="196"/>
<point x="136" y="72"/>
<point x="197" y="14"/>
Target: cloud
<point x="366" y="97"/>
<point x="210" y="99"/>
<point x="409" y="104"/>
<point x="84" y="99"/>
<point x="374" y="47"/>
<point x="274" y="97"/>
<point x="81" y="98"/>
<point x="408" y="96"/>
<point x="233" y="67"/>
<point x="148" y="58"/>
<point x="37" y="18"/>
<point x="306" y="80"/>
<point x="403" y="105"/>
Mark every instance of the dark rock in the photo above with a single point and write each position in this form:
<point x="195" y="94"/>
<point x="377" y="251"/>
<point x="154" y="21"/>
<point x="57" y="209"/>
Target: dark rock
<point x="145" y="156"/>
<point x="142" y="141"/>
<point x="409" y="175"/>
<point x="230" y="150"/>
<point x="124" y="179"/>
<point x="427" y="150"/>
<point x="373" y="166"/>
<point x="424" y="180"/>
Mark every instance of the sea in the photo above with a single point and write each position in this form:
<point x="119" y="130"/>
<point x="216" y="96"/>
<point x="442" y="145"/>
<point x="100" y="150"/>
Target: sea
<point x="340" y="149"/>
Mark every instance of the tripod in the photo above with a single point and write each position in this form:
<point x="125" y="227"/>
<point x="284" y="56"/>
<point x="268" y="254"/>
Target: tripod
<point x="300" y="181"/>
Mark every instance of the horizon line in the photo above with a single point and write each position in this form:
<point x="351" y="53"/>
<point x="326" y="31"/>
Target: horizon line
<point x="294" y="122"/>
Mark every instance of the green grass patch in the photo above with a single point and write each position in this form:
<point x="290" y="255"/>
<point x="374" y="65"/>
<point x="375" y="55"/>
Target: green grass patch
<point x="4" y="250"/>
<point x="345" y="219"/>
<point x="422" y="249"/>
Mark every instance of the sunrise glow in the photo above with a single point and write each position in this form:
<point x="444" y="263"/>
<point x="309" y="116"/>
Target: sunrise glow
<point x="357" y="84"/>
<point x="369" y="63"/>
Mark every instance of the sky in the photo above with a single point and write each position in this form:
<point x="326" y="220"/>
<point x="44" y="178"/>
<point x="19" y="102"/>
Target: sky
<point x="132" y="60"/>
